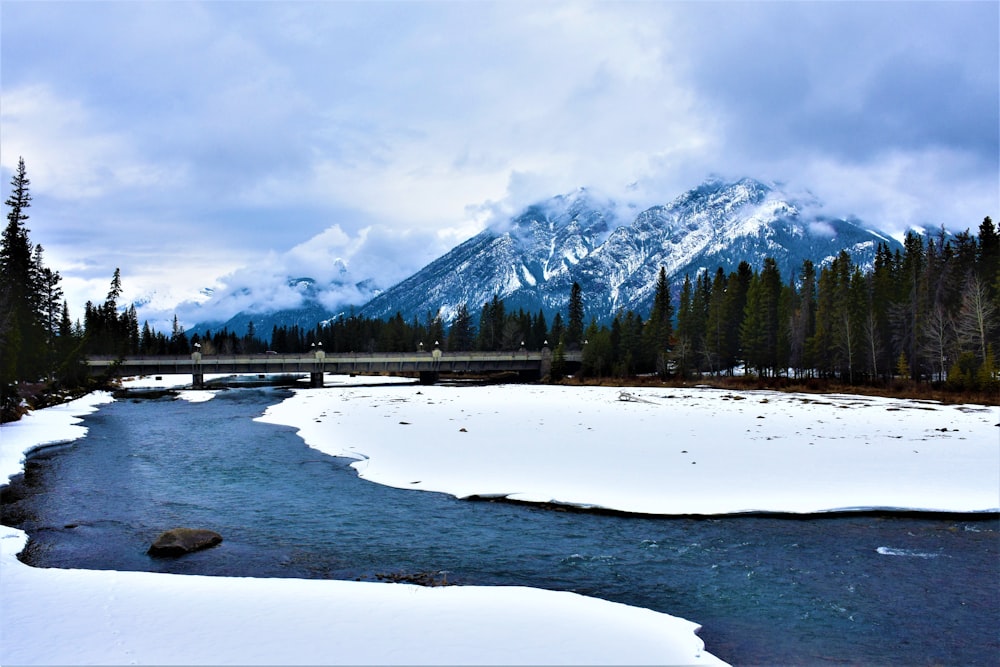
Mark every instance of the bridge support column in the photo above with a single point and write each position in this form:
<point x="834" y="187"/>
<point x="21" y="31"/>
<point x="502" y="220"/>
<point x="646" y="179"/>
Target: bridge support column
<point x="316" y="380"/>
<point x="429" y="377"/>
<point x="197" y="376"/>
<point x="545" y="368"/>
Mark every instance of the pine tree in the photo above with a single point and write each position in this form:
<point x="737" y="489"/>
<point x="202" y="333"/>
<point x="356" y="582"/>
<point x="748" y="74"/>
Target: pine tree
<point x="539" y="331"/>
<point x="716" y="324"/>
<point x="659" y="327"/>
<point x="761" y="328"/>
<point x="574" y="326"/>
<point x="909" y="301"/>
<point x="21" y="340"/>
<point x="737" y="286"/>
<point x="683" y="351"/>
<point x="461" y="336"/>
<point x="802" y="321"/>
<point x="988" y="259"/>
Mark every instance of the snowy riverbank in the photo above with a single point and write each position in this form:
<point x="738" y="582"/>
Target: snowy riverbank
<point x="673" y="451"/>
<point x="698" y="451"/>
<point x="53" y="616"/>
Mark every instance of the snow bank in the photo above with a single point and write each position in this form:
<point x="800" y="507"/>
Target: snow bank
<point x="57" y="616"/>
<point x="66" y="617"/>
<point x="691" y="451"/>
<point x="41" y="428"/>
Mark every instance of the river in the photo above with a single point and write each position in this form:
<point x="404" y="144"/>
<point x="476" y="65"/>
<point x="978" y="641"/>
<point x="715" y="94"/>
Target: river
<point x="859" y="589"/>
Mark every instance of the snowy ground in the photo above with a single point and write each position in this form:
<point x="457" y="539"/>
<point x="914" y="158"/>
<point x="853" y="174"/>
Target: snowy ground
<point x="672" y="451"/>
<point x="54" y="616"/>
<point x="698" y="451"/>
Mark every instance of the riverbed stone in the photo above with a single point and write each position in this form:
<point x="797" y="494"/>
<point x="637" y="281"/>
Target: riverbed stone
<point x="179" y="541"/>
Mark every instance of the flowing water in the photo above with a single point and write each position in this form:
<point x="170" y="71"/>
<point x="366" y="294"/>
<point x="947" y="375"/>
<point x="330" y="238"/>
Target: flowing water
<point x="856" y="589"/>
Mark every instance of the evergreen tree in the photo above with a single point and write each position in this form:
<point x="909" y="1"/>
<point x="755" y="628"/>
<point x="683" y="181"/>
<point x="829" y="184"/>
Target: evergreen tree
<point x="659" y="327"/>
<point x="539" y="331"/>
<point x="737" y="287"/>
<point x="716" y="352"/>
<point x="574" y="326"/>
<point x="908" y="303"/>
<point x="802" y="321"/>
<point x="988" y="259"/>
<point x="557" y="330"/>
<point x="683" y="351"/>
<point x="597" y="352"/>
<point x="759" y="333"/>
<point x="21" y="334"/>
<point x="491" y="324"/>
<point x="461" y="336"/>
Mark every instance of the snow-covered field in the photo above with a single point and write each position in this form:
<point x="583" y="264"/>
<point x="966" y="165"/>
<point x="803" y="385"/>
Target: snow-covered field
<point x="696" y="451"/>
<point x="672" y="451"/>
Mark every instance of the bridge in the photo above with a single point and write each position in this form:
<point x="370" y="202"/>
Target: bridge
<point x="428" y="366"/>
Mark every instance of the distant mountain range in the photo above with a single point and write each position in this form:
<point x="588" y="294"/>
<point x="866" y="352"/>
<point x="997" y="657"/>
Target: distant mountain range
<point x="532" y="261"/>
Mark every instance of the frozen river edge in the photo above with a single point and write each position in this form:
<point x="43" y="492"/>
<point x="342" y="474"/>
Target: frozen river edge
<point x="479" y="625"/>
<point x="57" y="616"/>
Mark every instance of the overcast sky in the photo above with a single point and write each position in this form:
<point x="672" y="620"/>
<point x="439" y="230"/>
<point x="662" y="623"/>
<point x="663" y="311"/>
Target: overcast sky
<point x="224" y="144"/>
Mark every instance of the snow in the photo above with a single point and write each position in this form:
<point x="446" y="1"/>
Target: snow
<point x="66" y="616"/>
<point x="667" y="451"/>
<point x="691" y="451"/>
<point x="54" y="616"/>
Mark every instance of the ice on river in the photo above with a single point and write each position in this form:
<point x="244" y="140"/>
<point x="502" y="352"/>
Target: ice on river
<point x="62" y="616"/>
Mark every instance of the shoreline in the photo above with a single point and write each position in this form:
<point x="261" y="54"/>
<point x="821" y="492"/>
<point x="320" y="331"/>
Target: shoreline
<point x="121" y="617"/>
<point x="876" y="512"/>
<point x="387" y="415"/>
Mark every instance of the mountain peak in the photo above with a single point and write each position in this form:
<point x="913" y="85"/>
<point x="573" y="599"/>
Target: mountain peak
<point x="614" y="252"/>
<point x="533" y="260"/>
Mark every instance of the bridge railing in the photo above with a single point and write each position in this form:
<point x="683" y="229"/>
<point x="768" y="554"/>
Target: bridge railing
<point x="436" y="361"/>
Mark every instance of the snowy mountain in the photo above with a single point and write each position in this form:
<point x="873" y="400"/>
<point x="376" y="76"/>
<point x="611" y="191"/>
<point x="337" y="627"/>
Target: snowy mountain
<point x="313" y="306"/>
<point x="532" y="262"/>
<point x="528" y="264"/>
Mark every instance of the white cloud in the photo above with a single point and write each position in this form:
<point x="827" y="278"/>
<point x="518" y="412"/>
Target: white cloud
<point x="73" y="154"/>
<point x="202" y="137"/>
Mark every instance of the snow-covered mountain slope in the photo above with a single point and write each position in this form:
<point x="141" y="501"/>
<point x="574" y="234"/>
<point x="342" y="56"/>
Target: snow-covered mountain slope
<point x="538" y="251"/>
<point x="534" y="261"/>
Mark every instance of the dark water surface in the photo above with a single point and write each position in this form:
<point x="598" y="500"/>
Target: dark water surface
<point x="864" y="589"/>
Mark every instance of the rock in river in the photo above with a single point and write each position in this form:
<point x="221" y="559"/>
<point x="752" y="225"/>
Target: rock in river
<point x="180" y="541"/>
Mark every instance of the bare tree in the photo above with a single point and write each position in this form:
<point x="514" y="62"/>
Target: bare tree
<point x="937" y="338"/>
<point x="976" y="320"/>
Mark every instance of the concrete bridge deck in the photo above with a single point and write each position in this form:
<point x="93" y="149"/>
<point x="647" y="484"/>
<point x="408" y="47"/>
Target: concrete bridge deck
<point x="428" y="365"/>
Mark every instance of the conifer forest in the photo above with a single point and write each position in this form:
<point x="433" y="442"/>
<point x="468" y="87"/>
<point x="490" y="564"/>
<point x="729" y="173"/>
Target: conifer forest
<point x="928" y="314"/>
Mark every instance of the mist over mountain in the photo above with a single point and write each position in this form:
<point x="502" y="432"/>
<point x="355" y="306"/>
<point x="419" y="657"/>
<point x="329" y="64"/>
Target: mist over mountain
<point x="533" y="262"/>
<point x="613" y="249"/>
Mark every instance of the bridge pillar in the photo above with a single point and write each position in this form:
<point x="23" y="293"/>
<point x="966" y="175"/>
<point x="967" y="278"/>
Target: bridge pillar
<point x="197" y="377"/>
<point x="545" y="368"/>
<point x="429" y="377"/>
<point x="316" y="380"/>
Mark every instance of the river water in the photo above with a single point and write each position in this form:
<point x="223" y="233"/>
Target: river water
<point x="856" y="589"/>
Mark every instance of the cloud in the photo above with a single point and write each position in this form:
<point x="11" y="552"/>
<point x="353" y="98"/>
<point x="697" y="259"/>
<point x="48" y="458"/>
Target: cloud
<point x="210" y="137"/>
<point x="75" y="156"/>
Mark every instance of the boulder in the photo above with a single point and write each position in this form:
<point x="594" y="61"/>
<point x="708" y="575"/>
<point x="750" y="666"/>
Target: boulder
<point x="180" y="541"/>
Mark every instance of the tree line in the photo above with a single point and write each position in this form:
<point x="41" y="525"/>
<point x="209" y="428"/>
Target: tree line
<point x="929" y="312"/>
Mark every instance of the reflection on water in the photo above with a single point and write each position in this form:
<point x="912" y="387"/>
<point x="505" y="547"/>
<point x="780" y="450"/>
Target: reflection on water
<point x="768" y="590"/>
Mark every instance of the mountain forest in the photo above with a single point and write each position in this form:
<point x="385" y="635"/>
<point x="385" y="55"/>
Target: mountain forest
<point x="929" y="313"/>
